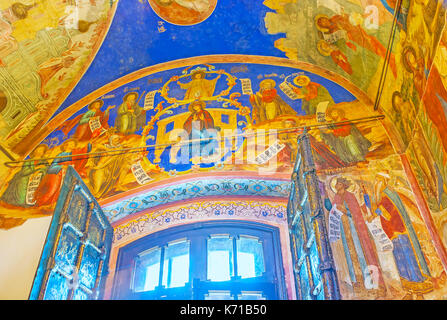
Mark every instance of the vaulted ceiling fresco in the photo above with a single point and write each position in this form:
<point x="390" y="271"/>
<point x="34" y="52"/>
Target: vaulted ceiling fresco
<point x="115" y="87"/>
<point x="45" y="48"/>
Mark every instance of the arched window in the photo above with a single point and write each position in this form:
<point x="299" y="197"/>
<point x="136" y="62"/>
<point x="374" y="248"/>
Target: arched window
<point x="231" y="260"/>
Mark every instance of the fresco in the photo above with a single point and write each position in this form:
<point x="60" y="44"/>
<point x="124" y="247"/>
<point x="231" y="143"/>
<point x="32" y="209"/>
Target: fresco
<point x="381" y="228"/>
<point x="183" y="12"/>
<point x="45" y="47"/>
<point x="347" y="37"/>
<point x="160" y="117"/>
<point x="430" y="141"/>
<point x="229" y="108"/>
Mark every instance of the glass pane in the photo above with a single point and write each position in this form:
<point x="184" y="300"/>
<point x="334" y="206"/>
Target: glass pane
<point x="248" y="295"/>
<point x="176" y="264"/>
<point x="57" y="288"/>
<point x="220" y="258"/>
<point x="250" y="257"/>
<point x="88" y="270"/>
<point x="80" y="295"/>
<point x="147" y="270"/>
<point x="218" y="295"/>
<point x="78" y="211"/>
<point x="67" y="250"/>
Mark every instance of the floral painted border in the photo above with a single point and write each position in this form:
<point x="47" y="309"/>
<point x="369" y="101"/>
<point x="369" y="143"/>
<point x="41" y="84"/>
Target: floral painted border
<point x="204" y="210"/>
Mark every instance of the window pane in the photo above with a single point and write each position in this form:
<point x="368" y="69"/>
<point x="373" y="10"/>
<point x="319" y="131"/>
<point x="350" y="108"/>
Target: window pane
<point x="250" y="257"/>
<point x="248" y="295"/>
<point x="220" y="258"/>
<point x="218" y="295"/>
<point x="176" y="264"/>
<point x="147" y="270"/>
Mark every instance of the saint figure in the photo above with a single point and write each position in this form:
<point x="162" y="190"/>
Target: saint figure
<point x="356" y="237"/>
<point x="198" y="87"/>
<point x="312" y="94"/>
<point x="410" y="261"/>
<point x="345" y="140"/>
<point x="83" y="131"/>
<point x="267" y="104"/>
<point x="131" y="117"/>
<point x="15" y="193"/>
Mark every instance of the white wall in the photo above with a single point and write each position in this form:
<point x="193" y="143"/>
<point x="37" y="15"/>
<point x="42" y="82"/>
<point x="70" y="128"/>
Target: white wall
<point x="20" y="250"/>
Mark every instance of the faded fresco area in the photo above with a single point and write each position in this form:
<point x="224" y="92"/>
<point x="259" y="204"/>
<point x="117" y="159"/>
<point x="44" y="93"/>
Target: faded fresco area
<point x="45" y="47"/>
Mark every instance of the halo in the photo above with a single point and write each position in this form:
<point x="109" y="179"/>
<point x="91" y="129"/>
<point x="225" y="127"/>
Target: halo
<point x="319" y="28"/>
<point x="133" y="93"/>
<point x="40" y="146"/>
<point x="405" y="62"/>
<point x="99" y="100"/>
<point x="271" y="81"/>
<point x="198" y="70"/>
<point x="295" y="81"/>
<point x="352" y="188"/>
<point x="321" y="50"/>
<point x="201" y="102"/>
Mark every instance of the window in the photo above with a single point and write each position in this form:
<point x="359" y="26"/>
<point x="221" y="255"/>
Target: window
<point x="147" y="270"/>
<point x="220" y="258"/>
<point x="219" y="295"/>
<point x="175" y="271"/>
<point x="250" y="257"/>
<point x="176" y="264"/>
<point x="214" y="260"/>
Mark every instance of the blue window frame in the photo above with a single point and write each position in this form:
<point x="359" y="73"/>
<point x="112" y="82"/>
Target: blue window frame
<point x="220" y="260"/>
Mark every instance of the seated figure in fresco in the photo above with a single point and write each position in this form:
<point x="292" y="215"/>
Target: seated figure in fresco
<point x="15" y="193"/>
<point x="329" y="50"/>
<point x="48" y="190"/>
<point x="311" y="93"/>
<point x="415" y="66"/>
<point x="345" y="140"/>
<point x="355" y="235"/>
<point x="83" y="131"/>
<point x="105" y="172"/>
<point x="403" y="117"/>
<point x="198" y="87"/>
<point x="355" y="33"/>
<point x="199" y="125"/>
<point x="287" y="156"/>
<point x="8" y="44"/>
<point x="267" y="104"/>
<point x="199" y="115"/>
<point x="410" y="261"/>
<point x="131" y="117"/>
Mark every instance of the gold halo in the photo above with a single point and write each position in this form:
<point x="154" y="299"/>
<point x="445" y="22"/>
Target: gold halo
<point x="271" y="81"/>
<point x="352" y="188"/>
<point x="319" y="28"/>
<point x="321" y="50"/>
<point x="295" y="80"/>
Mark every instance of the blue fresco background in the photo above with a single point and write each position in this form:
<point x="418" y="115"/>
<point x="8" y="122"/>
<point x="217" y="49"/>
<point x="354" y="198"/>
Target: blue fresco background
<point x="133" y="41"/>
